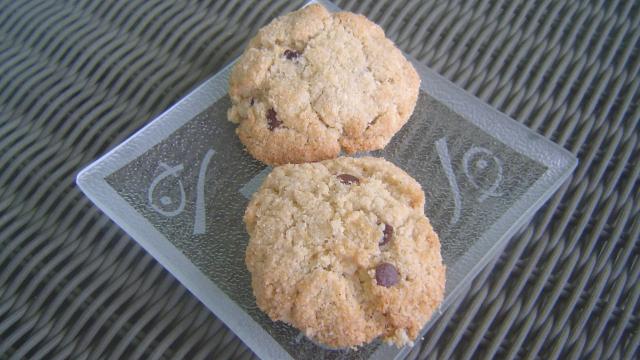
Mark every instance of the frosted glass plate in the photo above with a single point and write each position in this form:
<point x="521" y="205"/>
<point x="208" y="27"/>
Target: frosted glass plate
<point x="180" y="185"/>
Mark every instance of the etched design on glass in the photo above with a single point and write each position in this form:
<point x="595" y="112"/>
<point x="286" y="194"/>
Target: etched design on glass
<point x="199" y="224"/>
<point x="475" y="153"/>
<point x="482" y="164"/>
<point x="252" y="186"/>
<point x="166" y="200"/>
<point x="445" y="160"/>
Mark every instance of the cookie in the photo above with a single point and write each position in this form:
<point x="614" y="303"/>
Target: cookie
<point x="342" y="250"/>
<point x="313" y="83"/>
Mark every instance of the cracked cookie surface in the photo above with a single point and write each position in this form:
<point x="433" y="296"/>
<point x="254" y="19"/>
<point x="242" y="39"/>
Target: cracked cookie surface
<point x="312" y="83"/>
<point x="342" y="250"/>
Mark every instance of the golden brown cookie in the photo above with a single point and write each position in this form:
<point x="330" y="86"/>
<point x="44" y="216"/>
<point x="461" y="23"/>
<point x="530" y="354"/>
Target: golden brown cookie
<point x="342" y="250"/>
<point x="312" y="83"/>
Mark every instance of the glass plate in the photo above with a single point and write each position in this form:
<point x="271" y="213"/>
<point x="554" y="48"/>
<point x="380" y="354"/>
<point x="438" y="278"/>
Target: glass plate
<point x="180" y="186"/>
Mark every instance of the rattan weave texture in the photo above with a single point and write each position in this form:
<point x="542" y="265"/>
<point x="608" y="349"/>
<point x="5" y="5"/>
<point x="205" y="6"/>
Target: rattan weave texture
<point x="77" y="77"/>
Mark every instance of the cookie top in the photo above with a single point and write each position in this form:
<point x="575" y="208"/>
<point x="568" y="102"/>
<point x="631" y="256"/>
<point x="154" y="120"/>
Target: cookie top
<point x="342" y="250"/>
<point x="312" y="83"/>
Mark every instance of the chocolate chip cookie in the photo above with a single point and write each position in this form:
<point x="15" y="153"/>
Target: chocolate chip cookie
<point x="313" y="83"/>
<point x="342" y="250"/>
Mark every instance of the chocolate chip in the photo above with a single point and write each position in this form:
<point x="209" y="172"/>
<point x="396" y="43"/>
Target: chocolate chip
<point x="348" y="179"/>
<point x="387" y="275"/>
<point x="387" y="234"/>
<point x="253" y="101"/>
<point x="272" y="120"/>
<point x="291" y="54"/>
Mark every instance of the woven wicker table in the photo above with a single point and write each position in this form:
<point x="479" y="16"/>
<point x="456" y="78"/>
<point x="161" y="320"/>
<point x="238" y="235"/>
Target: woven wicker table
<point x="77" y="77"/>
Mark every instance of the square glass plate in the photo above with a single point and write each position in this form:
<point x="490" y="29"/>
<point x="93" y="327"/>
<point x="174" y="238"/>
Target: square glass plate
<point x="180" y="186"/>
